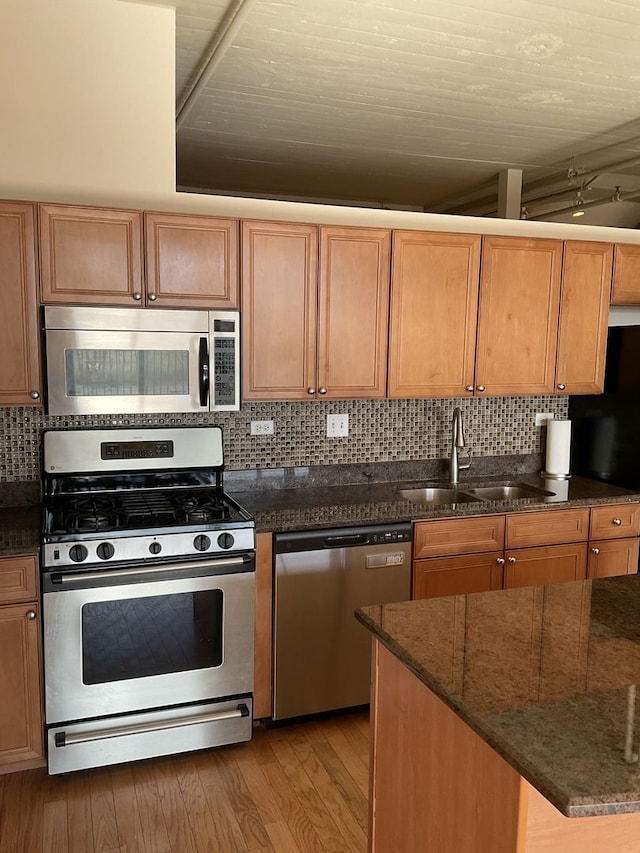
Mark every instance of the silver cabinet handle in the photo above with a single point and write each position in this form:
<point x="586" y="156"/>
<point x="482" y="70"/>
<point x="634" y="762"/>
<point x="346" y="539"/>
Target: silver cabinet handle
<point x="30" y="615"/>
<point x="311" y="390"/>
<point x="469" y="388"/>
<point x="322" y="390"/>
<point x="480" y="388"/>
<point x="137" y="295"/>
<point x="595" y="550"/>
<point x="500" y="561"/>
<point x="617" y="522"/>
<point x="561" y="386"/>
<point x="511" y="559"/>
<point x="152" y="297"/>
<point x="35" y="395"/>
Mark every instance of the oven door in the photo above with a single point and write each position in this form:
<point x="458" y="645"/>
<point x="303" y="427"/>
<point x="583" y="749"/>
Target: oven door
<point x="136" y="638"/>
<point x="121" y="372"/>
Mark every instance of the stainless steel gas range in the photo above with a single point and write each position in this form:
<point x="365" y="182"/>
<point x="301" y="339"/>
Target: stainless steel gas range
<point x="148" y="596"/>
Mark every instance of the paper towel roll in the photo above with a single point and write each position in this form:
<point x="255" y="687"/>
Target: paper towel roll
<point x="558" y="447"/>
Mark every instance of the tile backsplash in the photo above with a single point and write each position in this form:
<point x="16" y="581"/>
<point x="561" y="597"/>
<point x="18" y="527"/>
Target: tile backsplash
<point x="379" y="431"/>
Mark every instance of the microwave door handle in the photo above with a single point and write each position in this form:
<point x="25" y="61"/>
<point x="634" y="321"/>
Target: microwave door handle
<point x="203" y="371"/>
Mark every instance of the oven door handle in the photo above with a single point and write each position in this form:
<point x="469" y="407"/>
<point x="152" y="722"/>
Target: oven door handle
<point x="203" y="371"/>
<point x="123" y="574"/>
<point x="64" y="739"/>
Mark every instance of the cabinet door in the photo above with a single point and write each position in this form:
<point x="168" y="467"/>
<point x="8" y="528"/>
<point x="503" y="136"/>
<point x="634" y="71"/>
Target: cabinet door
<point x="614" y="521"/>
<point x="610" y="557"/>
<point x="263" y="640"/>
<point x="20" y="380"/>
<point x="90" y="256"/>
<point x="192" y="261"/>
<point x="18" y="579"/>
<point x="440" y="576"/>
<point x="518" y="316"/>
<point x="548" y="564"/>
<point x="279" y="269"/>
<point x="434" y="309"/>
<point x="584" y="311"/>
<point x="626" y="275"/>
<point x="353" y="312"/>
<point x="450" y="536"/>
<point x="21" y="724"/>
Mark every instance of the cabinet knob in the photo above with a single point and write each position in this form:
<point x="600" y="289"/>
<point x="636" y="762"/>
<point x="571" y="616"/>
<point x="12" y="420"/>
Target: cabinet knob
<point x="480" y="388"/>
<point x="311" y="390"/>
<point x="511" y="559"/>
<point x="152" y="297"/>
<point x="500" y="561"/>
<point x="35" y="395"/>
<point x="322" y="390"/>
<point x="617" y="522"/>
<point x="469" y="388"/>
<point x="30" y="615"/>
<point x="137" y="295"/>
<point x="561" y="386"/>
<point x="595" y="550"/>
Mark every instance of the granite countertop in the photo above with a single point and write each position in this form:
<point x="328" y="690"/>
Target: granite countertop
<point x="545" y="675"/>
<point x="19" y="530"/>
<point x="310" y="506"/>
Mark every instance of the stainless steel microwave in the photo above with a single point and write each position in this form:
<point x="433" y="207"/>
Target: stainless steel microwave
<point x="132" y="360"/>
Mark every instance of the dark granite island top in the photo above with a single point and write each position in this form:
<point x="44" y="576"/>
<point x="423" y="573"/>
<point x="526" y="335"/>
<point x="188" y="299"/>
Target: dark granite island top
<point x="546" y="676"/>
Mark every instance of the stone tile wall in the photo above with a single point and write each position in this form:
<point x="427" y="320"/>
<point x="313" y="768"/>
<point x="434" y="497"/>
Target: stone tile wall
<point x="379" y="431"/>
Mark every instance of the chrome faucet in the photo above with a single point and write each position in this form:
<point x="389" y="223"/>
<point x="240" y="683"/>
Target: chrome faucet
<point x="457" y="444"/>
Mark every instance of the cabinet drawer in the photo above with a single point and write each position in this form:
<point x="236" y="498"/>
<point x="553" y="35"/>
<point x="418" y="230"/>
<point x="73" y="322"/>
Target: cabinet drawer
<point x="610" y="557"/>
<point x="451" y="536"/>
<point x="18" y="579"/>
<point x="525" y="529"/>
<point x="615" y="521"/>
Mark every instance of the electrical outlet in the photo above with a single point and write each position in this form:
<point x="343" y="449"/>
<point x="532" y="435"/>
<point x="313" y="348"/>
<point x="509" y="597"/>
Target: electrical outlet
<point x="261" y="427"/>
<point x="337" y="426"/>
<point x="541" y="417"/>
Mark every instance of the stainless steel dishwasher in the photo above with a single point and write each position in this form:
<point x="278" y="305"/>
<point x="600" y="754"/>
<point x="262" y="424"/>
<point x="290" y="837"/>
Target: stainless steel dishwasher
<point x="321" y="653"/>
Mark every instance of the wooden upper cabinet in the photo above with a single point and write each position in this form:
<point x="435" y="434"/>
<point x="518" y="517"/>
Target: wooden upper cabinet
<point x="309" y="333"/>
<point x="192" y="261"/>
<point x="626" y="275"/>
<point x="434" y="308"/>
<point x="279" y="289"/>
<point x="353" y="311"/>
<point x="91" y="256"/>
<point x="20" y="377"/>
<point x="584" y="312"/>
<point x="518" y="316"/>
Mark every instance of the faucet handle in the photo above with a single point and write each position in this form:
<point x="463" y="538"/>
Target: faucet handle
<point x="463" y="466"/>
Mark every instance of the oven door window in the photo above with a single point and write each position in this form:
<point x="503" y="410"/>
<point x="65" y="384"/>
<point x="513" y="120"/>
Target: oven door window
<point x="126" y="373"/>
<point x="141" y="637"/>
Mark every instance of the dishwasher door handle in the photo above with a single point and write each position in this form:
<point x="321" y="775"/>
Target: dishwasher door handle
<point x="352" y="541"/>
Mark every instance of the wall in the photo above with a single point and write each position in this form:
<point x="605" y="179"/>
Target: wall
<point x="380" y="431"/>
<point x="87" y="93"/>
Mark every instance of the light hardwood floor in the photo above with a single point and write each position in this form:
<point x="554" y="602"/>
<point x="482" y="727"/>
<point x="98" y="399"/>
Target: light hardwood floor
<point x="299" y="788"/>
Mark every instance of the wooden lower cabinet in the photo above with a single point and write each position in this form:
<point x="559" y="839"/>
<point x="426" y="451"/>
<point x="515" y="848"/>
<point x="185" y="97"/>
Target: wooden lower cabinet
<point x="610" y="557"/>
<point x="439" y="576"/>
<point x="21" y="716"/>
<point x="544" y="565"/>
<point x="263" y="637"/>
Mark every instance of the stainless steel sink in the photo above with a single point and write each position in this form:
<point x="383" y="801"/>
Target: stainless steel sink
<point x="438" y="496"/>
<point x="509" y="492"/>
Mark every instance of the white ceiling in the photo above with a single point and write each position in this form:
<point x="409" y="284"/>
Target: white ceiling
<point x="416" y="103"/>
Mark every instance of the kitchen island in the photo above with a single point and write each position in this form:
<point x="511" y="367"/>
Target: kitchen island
<point x="505" y="722"/>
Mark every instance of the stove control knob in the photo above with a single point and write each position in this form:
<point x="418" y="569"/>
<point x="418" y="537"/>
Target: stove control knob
<point x="105" y="550"/>
<point x="78" y="553"/>
<point x="202" y="543"/>
<point x="226" y="541"/>
<point x="155" y="548"/>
